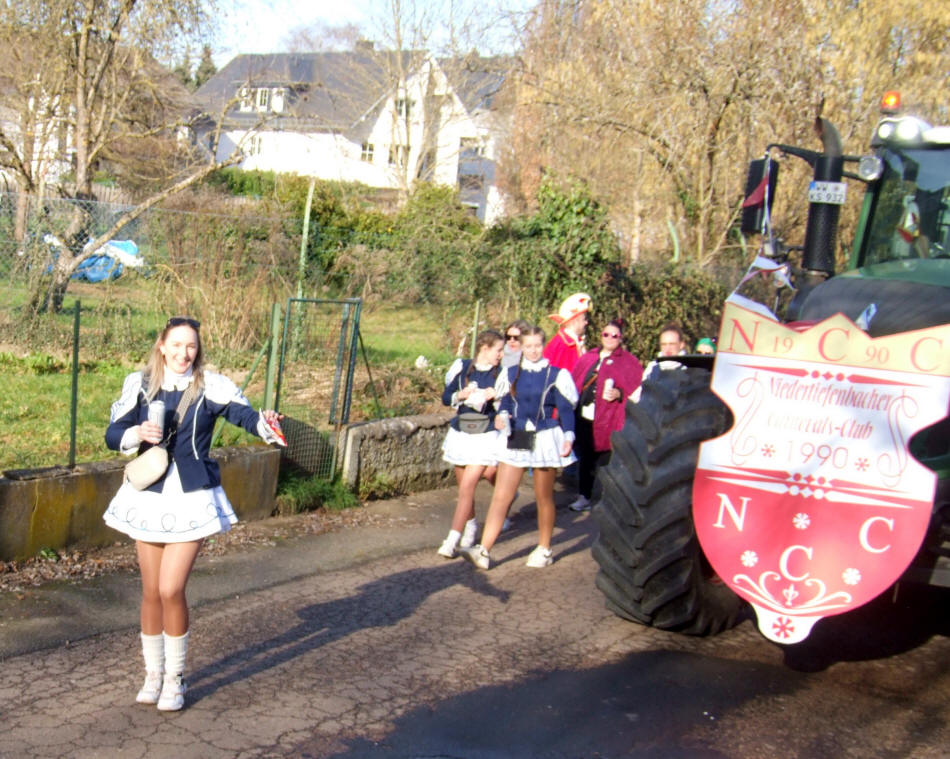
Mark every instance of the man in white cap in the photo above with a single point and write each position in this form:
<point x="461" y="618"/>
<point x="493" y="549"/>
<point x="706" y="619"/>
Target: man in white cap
<point x="567" y="345"/>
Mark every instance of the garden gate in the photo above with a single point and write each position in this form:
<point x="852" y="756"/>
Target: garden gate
<point x="315" y="379"/>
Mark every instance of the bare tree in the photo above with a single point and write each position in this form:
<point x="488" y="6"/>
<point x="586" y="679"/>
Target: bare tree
<point x="659" y="105"/>
<point x="85" y="88"/>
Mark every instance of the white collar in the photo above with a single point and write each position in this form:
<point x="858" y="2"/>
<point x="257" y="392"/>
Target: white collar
<point x="483" y="367"/>
<point x="534" y="366"/>
<point x="174" y="381"/>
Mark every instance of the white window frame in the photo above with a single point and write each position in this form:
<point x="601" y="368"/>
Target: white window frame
<point x="399" y="155"/>
<point x="263" y="98"/>
<point x="245" y="94"/>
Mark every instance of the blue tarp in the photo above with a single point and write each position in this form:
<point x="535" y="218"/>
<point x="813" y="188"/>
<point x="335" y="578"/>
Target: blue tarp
<point x="109" y="263"/>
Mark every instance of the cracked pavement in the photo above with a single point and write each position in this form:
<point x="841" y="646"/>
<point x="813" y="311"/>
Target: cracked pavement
<point x="366" y="643"/>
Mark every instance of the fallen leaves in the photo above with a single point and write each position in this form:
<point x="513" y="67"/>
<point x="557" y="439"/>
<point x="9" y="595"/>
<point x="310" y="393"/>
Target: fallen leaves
<point x="76" y="565"/>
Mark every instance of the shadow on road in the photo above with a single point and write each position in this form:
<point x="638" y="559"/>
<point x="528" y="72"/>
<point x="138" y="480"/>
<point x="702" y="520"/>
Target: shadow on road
<point x="380" y="603"/>
<point x="882" y="628"/>
<point x="650" y="704"/>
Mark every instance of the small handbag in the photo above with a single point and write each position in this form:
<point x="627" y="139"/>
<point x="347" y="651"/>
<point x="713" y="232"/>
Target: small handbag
<point x="150" y="466"/>
<point x="472" y="423"/>
<point x="521" y="440"/>
<point x="147" y="467"/>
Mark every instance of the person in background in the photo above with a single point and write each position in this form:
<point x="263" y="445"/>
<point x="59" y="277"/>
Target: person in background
<point x="567" y="346"/>
<point x="672" y="343"/>
<point x="513" y="333"/>
<point x="471" y="443"/>
<point x="604" y="378"/>
<point x="539" y="439"/>
<point x="706" y="346"/>
<point x="170" y="518"/>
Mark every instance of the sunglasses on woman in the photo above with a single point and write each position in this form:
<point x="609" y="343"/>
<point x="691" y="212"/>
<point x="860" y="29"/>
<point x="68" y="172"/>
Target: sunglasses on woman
<point x="509" y="336"/>
<point x="611" y="335"/>
<point x="183" y="321"/>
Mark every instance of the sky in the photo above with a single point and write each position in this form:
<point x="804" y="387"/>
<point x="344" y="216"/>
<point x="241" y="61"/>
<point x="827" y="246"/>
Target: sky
<point x="261" y="26"/>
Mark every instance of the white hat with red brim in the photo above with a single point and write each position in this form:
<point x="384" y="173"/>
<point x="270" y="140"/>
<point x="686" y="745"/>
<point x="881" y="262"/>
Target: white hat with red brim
<point x="576" y="304"/>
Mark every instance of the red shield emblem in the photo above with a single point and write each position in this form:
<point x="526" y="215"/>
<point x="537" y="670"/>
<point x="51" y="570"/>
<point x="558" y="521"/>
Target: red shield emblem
<point x="811" y="504"/>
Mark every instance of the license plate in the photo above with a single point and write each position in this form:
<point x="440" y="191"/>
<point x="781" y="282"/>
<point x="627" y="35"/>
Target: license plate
<point x="827" y="192"/>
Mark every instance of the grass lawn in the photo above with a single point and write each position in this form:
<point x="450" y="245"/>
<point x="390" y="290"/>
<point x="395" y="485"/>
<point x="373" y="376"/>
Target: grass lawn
<point x="35" y="401"/>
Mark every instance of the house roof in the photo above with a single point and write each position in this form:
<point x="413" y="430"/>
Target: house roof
<point x="332" y="90"/>
<point x="340" y="91"/>
<point x="476" y="80"/>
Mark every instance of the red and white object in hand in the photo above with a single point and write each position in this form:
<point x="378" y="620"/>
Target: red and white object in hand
<point x="274" y="426"/>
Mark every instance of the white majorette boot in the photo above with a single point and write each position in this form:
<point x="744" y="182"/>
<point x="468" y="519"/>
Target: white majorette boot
<point x="153" y="651"/>
<point x="173" y="684"/>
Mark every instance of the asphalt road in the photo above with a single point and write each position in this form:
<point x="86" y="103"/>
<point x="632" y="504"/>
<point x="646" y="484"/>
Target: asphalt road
<point x="365" y="643"/>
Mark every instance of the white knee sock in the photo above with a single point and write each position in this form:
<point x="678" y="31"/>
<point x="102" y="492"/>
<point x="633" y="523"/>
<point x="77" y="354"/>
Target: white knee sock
<point x="175" y="650"/>
<point x="153" y="651"/>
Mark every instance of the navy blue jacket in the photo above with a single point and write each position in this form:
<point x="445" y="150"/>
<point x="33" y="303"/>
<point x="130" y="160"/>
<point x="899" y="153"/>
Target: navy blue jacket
<point x="456" y="380"/>
<point x="541" y="390"/>
<point x="190" y="446"/>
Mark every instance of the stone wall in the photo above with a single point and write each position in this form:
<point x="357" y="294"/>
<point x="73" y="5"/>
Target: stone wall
<point x="399" y="455"/>
<point x="59" y="507"/>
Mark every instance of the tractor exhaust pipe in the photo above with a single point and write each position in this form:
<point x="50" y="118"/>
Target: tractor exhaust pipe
<point x="821" y="233"/>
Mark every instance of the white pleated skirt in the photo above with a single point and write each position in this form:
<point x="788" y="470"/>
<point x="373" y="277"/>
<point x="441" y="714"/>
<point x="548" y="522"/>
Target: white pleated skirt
<point x="171" y="516"/>
<point x="462" y="449"/>
<point x="546" y="453"/>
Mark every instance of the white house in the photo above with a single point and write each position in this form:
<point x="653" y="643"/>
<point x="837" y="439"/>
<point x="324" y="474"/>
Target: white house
<point x="381" y="118"/>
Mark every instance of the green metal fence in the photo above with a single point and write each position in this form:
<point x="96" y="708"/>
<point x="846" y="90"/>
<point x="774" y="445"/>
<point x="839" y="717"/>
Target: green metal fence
<point x="318" y="355"/>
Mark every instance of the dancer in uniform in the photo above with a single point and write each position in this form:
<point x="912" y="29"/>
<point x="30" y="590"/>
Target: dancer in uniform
<point x="471" y="442"/>
<point x="539" y="439"/>
<point x="171" y="517"/>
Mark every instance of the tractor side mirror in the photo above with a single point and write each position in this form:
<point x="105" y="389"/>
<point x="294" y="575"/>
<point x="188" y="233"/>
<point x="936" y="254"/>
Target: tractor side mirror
<point x="759" y="189"/>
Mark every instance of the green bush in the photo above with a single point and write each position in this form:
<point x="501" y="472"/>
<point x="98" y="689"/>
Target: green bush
<point x="537" y="260"/>
<point x="648" y="297"/>
<point x="298" y="492"/>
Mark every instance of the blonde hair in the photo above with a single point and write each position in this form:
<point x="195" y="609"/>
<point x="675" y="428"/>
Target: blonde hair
<point x="154" y="373"/>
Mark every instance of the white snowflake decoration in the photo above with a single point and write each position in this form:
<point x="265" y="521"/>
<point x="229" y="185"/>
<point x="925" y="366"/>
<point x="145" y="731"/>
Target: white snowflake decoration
<point x="851" y="576"/>
<point x="801" y="521"/>
<point x="749" y="558"/>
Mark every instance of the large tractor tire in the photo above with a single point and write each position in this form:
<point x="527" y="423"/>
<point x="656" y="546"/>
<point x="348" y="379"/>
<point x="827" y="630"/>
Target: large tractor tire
<point x="652" y="569"/>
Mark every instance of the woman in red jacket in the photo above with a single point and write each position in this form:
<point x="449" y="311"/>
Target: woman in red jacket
<point x="605" y="378"/>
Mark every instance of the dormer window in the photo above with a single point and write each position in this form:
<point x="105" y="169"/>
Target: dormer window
<point x="277" y="101"/>
<point x="263" y="98"/>
<point x="244" y="95"/>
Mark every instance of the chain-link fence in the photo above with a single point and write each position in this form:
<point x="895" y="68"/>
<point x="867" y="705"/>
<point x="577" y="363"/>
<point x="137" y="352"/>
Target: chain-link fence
<point x="315" y="379"/>
<point x="217" y="263"/>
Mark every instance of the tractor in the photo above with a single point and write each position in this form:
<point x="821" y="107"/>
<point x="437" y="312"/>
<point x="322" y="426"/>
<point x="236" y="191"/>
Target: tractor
<point x="655" y="566"/>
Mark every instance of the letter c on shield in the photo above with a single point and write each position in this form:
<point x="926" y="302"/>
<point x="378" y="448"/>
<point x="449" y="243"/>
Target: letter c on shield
<point x="821" y="347"/>
<point x="783" y="562"/>
<point x="866" y="527"/>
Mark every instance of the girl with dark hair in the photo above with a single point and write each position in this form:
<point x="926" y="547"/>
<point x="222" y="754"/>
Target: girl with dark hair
<point x="539" y="439"/>
<point x="471" y="442"/>
<point x="605" y="377"/>
<point x="170" y="518"/>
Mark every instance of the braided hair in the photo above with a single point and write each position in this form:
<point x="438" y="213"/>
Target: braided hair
<point x="485" y="339"/>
